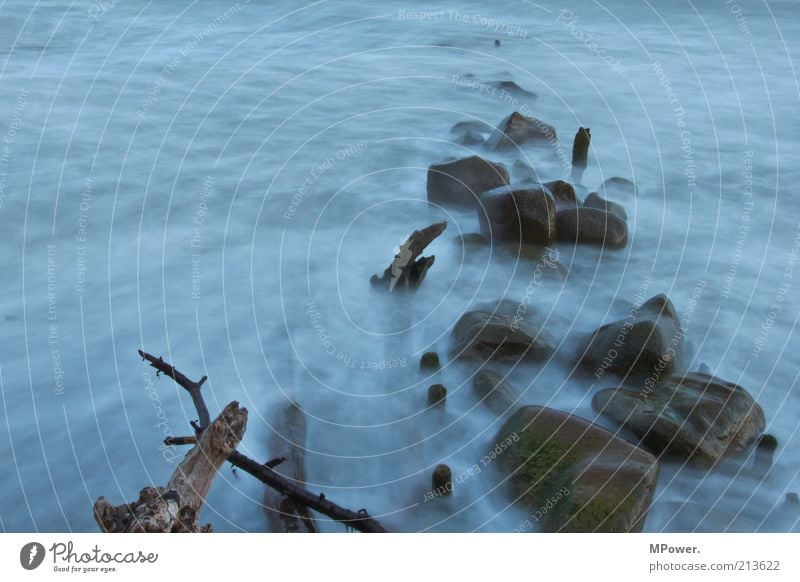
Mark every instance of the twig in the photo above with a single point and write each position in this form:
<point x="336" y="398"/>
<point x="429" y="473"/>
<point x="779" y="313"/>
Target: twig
<point x="192" y="387"/>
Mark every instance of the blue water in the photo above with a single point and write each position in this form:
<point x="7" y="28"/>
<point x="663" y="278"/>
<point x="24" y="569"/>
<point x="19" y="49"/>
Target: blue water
<point x="188" y="177"/>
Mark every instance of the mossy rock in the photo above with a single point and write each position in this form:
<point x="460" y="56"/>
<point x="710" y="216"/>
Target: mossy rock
<point x="601" y="482"/>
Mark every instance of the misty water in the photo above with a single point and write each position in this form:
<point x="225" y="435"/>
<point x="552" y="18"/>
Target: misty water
<point x="217" y="182"/>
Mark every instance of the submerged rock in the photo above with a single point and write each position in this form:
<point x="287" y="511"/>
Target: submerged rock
<point x="646" y="346"/>
<point x="472" y="125"/>
<point x="765" y="451"/>
<point x="483" y="335"/>
<point x="522" y="171"/>
<point x="696" y="417"/>
<point x="516" y="129"/>
<point x="582" y="225"/>
<point x="594" y="200"/>
<point x="518" y="213"/>
<point x="463" y="181"/>
<point x="563" y="194"/>
<point x="573" y="475"/>
<point x="494" y="392"/>
<point x="512" y="88"/>
<point x="470" y="138"/>
<point x="471" y="239"/>
<point x="617" y="185"/>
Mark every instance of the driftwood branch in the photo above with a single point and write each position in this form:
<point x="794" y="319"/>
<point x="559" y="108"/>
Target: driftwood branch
<point x="408" y="269"/>
<point x="193" y="388"/>
<point x="359" y="520"/>
<point x="176" y="507"/>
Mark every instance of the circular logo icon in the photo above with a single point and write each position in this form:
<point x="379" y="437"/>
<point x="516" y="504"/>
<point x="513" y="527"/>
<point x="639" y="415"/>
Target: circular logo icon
<point x="31" y="555"/>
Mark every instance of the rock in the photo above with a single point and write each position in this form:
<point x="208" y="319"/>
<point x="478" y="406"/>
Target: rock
<point x="793" y="499"/>
<point x="442" y="480"/>
<point x="493" y="391"/>
<point x="513" y="89"/>
<point x="573" y="475"/>
<point x="696" y="417"/>
<point x="471" y="239"/>
<point x="463" y="181"/>
<point x="470" y="138"/>
<point x="437" y="394"/>
<point x="429" y="361"/>
<point x="765" y="451"/>
<point x="591" y="226"/>
<point x="563" y="194"/>
<point x="516" y="129"/>
<point x="473" y="125"/>
<point x="482" y="335"/>
<point x="522" y="171"/>
<point x="645" y="346"/>
<point x="594" y="200"/>
<point x="518" y="213"/>
<point x="617" y="185"/>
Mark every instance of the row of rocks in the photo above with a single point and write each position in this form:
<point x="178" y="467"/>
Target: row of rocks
<point x="572" y="474"/>
<point x="527" y="212"/>
<point x="688" y="416"/>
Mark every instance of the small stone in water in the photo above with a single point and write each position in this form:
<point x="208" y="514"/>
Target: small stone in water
<point x="442" y="480"/>
<point x="436" y="394"/>
<point x="429" y="361"/>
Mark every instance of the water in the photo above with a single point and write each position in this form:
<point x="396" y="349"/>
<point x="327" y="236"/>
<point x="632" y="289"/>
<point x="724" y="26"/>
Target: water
<point x="189" y="178"/>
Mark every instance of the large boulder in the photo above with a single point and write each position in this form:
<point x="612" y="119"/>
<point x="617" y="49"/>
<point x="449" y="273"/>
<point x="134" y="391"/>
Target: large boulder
<point x="583" y="225"/>
<point x="594" y="200"/>
<point x="573" y="475"/>
<point x="646" y="346"/>
<point x="463" y="181"/>
<point x="518" y="213"/>
<point x="696" y="417"/>
<point x="563" y="194"/>
<point x="484" y="335"/>
<point x="516" y="129"/>
<point x="494" y="392"/>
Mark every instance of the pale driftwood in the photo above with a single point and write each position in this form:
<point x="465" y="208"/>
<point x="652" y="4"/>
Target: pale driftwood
<point x="287" y="442"/>
<point x="408" y="269"/>
<point x="176" y="507"/>
<point x="359" y="520"/>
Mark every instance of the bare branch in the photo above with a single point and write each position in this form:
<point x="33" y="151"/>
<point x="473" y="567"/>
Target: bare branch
<point x="359" y="520"/>
<point x="193" y="388"/>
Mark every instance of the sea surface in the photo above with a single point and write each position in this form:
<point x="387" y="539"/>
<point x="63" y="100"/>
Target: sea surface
<point x="216" y="182"/>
